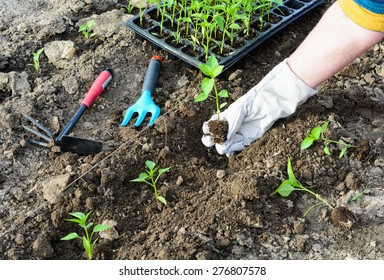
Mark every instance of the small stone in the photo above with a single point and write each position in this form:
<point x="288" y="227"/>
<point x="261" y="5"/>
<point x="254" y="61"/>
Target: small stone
<point x="298" y="226"/>
<point x="110" y="233"/>
<point x="300" y="243"/>
<point x="19" y="239"/>
<point x="179" y="181"/>
<point x="235" y="75"/>
<point x="220" y="173"/>
<point x="351" y="181"/>
<point x="42" y="248"/>
<point x="147" y="147"/>
<point x="52" y="188"/>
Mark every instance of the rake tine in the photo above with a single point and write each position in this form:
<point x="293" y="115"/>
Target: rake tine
<point x="39" y="134"/>
<point x="48" y="145"/>
<point x="35" y="122"/>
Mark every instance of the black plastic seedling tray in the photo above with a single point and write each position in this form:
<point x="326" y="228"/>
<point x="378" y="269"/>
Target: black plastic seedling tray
<point x="285" y="14"/>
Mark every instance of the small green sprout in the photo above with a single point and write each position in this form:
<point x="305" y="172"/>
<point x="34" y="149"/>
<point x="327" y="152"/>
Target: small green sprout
<point x="317" y="135"/>
<point x="292" y="184"/>
<point x="86" y="29"/>
<point x="357" y="196"/>
<point x="129" y="7"/>
<point x="88" y="242"/>
<point x="212" y="69"/>
<point x="36" y="58"/>
<point x="149" y="178"/>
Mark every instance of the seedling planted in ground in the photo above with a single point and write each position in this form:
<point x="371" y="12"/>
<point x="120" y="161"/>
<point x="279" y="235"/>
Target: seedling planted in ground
<point x="292" y="184"/>
<point x="149" y="177"/>
<point x="317" y="134"/>
<point x="36" y="58"/>
<point x="341" y="216"/>
<point x="88" y="241"/>
<point x="86" y="29"/>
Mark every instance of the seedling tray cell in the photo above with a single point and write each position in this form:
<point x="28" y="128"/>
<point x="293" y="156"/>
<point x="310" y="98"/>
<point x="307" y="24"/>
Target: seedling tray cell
<point x="148" y="28"/>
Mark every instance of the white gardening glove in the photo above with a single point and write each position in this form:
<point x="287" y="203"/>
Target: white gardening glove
<point x="276" y="96"/>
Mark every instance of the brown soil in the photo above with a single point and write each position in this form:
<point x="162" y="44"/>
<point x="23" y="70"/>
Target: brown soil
<point x="218" y="130"/>
<point x="218" y="207"/>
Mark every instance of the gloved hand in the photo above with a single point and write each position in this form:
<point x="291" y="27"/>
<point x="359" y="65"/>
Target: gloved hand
<point x="276" y="96"/>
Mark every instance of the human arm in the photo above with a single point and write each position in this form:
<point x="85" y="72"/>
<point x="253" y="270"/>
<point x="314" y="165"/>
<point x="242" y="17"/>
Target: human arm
<point x="334" y="42"/>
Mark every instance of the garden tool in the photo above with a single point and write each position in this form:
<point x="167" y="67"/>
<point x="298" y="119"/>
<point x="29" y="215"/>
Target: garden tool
<point x="68" y="143"/>
<point x="145" y="104"/>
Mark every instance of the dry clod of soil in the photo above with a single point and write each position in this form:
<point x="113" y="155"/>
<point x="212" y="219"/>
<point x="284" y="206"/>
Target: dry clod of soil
<point x="218" y="130"/>
<point x="343" y="217"/>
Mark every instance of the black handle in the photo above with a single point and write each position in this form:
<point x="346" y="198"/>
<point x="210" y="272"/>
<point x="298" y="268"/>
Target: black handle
<point x="152" y="74"/>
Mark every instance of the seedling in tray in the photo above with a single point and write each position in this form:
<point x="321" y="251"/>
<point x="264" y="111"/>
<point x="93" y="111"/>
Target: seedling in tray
<point x="317" y="134"/>
<point x="149" y="177"/>
<point x="228" y="28"/>
<point x="88" y="240"/>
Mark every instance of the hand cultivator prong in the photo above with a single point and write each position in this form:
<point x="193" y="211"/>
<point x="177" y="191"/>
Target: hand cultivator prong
<point x="48" y="136"/>
<point x="145" y="103"/>
<point x="68" y="143"/>
<point x="39" y="125"/>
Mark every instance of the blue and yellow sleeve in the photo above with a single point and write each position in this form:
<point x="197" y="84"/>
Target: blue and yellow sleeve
<point x="368" y="14"/>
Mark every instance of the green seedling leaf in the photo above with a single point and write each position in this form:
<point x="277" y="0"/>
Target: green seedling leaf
<point x="291" y="176"/>
<point x="78" y="215"/>
<point x="324" y="126"/>
<point x="163" y="170"/>
<point x="201" y="97"/>
<point x="141" y="178"/>
<point x="212" y="62"/>
<point x="88" y="225"/>
<point x="99" y="228"/>
<point x="82" y="28"/>
<point x="207" y="85"/>
<point x="70" y="236"/>
<point x="223" y="93"/>
<point x="162" y="200"/>
<point x="316" y="132"/>
<point x="217" y="70"/>
<point x="343" y="151"/>
<point x="326" y="150"/>
<point x="357" y="196"/>
<point x="87" y="247"/>
<point x="74" y="220"/>
<point x="285" y="189"/>
<point x="235" y="26"/>
<point x="150" y="164"/>
<point x="206" y="69"/>
<point x="306" y="143"/>
<point x="223" y="105"/>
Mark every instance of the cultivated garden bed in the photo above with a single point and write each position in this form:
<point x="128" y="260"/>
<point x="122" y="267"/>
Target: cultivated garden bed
<point x="217" y="207"/>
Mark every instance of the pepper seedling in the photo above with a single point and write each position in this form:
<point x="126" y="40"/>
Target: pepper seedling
<point x="317" y="134"/>
<point x="36" y="58"/>
<point x="212" y="69"/>
<point x="86" y="29"/>
<point x="292" y="184"/>
<point x="149" y="177"/>
<point x="88" y="241"/>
